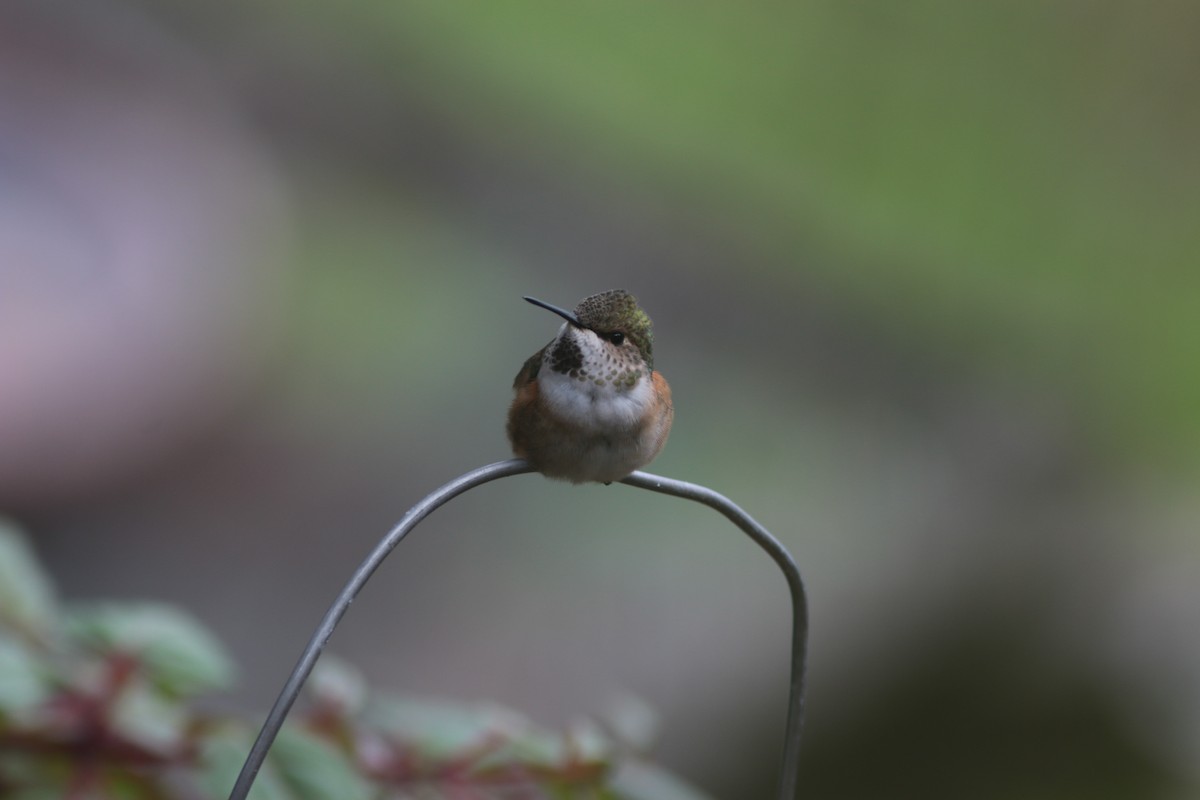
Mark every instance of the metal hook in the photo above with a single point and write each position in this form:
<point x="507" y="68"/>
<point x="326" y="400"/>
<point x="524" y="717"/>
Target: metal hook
<point x="515" y="466"/>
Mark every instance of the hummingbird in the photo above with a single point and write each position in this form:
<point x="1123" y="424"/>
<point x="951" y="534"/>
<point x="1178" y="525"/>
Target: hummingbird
<point x="589" y="406"/>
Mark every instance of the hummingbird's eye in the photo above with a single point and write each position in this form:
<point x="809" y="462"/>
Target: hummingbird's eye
<point x="616" y="337"/>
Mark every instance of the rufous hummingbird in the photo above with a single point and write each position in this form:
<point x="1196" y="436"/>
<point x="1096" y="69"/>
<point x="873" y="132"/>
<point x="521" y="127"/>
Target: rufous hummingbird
<point x="589" y="406"/>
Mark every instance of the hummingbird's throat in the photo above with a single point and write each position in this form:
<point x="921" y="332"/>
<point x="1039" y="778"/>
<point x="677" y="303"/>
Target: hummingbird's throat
<point x="593" y="363"/>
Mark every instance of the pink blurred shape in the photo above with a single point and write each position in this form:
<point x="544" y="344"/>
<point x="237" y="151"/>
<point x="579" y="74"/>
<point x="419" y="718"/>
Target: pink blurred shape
<point x="142" y="235"/>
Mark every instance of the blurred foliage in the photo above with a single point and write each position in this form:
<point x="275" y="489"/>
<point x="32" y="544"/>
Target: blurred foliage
<point x="976" y="716"/>
<point x="1011" y="183"/>
<point x="99" y="702"/>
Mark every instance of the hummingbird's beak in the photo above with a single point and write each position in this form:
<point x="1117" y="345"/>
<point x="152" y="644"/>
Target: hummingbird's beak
<point x="567" y="315"/>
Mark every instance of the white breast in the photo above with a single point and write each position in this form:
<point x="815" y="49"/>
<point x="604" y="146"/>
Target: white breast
<point x="594" y="407"/>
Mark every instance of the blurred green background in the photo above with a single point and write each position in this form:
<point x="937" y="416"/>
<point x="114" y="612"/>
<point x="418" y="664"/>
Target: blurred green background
<point x="924" y="278"/>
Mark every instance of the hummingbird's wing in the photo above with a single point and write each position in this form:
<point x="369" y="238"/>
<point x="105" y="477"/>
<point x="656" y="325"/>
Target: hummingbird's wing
<point x="529" y="370"/>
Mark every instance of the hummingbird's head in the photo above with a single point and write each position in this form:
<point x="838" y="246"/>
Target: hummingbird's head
<point x="616" y="317"/>
<point x="609" y="328"/>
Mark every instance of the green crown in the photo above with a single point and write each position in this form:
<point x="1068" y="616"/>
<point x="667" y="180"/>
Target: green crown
<point x="618" y="310"/>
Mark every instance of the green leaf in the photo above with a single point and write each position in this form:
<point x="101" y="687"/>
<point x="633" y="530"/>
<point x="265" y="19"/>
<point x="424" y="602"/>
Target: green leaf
<point x="223" y="750"/>
<point x="314" y="769"/>
<point x="584" y="743"/>
<point x="633" y="722"/>
<point x="35" y="793"/>
<point x="337" y="684"/>
<point x="26" y="777"/>
<point x="22" y="679"/>
<point x="442" y="728"/>
<point x="530" y="748"/>
<point x="588" y="742"/>
<point x="26" y="596"/>
<point x="638" y="780"/>
<point x="123" y="785"/>
<point x="176" y="651"/>
<point x="144" y="715"/>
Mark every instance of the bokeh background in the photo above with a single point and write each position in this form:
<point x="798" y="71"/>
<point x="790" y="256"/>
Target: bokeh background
<point x="925" y="282"/>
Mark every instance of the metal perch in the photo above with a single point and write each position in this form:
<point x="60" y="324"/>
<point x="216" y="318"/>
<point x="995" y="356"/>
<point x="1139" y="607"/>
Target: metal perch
<point x="515" y="466"/>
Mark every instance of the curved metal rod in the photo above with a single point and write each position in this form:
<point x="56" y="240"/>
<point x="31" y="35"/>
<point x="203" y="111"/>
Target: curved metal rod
<point x="789" y="771"/>
<point x="312" y="651"/>
<point x="503" y="469"/>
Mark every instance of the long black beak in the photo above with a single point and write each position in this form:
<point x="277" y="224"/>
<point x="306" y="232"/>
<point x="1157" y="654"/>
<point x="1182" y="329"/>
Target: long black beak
<point x="567" y="315"/>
